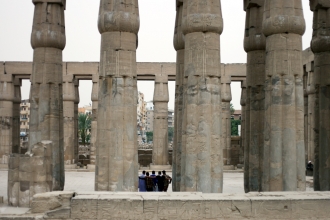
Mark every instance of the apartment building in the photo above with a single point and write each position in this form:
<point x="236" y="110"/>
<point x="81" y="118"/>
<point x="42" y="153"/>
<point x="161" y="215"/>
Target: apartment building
<point x="25" y="119"/>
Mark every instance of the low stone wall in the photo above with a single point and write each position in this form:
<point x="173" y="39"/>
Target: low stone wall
<point x="136" y="206"/>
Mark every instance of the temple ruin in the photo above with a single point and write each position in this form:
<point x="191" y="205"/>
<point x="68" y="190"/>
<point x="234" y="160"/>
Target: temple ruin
<point x="285" y="114"/>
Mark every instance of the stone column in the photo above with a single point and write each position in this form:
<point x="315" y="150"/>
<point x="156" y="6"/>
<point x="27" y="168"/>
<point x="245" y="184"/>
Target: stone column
<point x="117" y="165"/>
<point x="305" y="78"/>
<point x="320" y="46"/>
<point x="254" y="45"/>
<point x="16" y="138"/>
<point x="160" y="132"/>
<point x="48" y="42"/>
<point x="7" y="94"/>
<point x="69" y="118"/>
<point x="226" y="116"/>
<point x="284" y="151"/>
<point x="201" y="141"/>
<point x="95" y="93"/>
<point x="179" y="47"/>
<point x="76" y="126"/>
<point x="243" y="124"/>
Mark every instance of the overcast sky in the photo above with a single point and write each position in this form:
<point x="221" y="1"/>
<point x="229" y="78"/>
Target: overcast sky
<point x="157" y="18"/>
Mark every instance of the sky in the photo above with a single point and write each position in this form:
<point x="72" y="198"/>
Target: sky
<point x="157" y="18"/>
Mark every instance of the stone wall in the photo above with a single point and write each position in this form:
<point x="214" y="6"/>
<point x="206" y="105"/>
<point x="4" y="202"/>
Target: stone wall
<point x="184" y="205"/>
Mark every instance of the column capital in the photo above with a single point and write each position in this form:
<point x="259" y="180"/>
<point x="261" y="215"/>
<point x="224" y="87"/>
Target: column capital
<point x="60" y="2"/>
<point x="318" y="4"/>
<point x="283" y="16"/>
<point x="253" y="3"/>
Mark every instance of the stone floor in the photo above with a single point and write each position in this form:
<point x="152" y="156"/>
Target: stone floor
<point x="84" y="181"/>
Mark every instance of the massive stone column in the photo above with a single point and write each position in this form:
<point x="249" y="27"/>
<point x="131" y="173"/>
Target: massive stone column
<point x="48" y="42"/>
<point x="178" y="42"/>
<point x="254" y="45"/>
<point x="95" y="94"/>
<point x="7" y="95"/>
<point x="226" y="116"/>
<point x="320" y="46"/>
<point x="201" y="141"/>
<point x="243" y="124"/>
<point x="76" y="126"/>
<point x="117" y="165"/>
<point x="284" y="151"/>
<point x="16" y="138"/>
<point x="160" y="132"/>
<point x="69" y="118"/>
<point x="310" y="111"/>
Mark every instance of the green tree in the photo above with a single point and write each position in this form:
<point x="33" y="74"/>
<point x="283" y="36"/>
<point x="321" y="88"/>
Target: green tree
<point x="170" y="133"/>
<point x="84" y="127"/>
<point x="150" y="136"/>
<point x="232" y="109"/>
<point x="234" y="127"/>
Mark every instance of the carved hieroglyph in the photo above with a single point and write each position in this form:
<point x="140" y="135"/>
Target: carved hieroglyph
<point x="117" y="167"/>
<point x="320" y="46"/>
<point x="284" y="151"/>
<point x="254" y="45"/>
<point x="48" y="42"/>
<point x="160" y="131"/>
<point x="178" y="42"/>
<point x="202" y="157"/>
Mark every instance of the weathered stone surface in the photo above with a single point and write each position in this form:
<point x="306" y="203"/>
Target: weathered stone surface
<point x="46" y="94"/>
<point x="117" y="167"/>
<point x="320" y="45"/>
<point x="30" y="174"/>
<point x="284" y="151"/>
<point x="45" y="202"/>
<point x="254" y="45"/>
<point x="202" y="159"/>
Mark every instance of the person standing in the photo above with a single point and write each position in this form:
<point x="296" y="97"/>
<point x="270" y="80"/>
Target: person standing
<point x="149" y="183"/>
<point x="154" y="178"/>
<point x="160" y="182"/>
<point x="142" y="182"/>
<point x="167" y="180"/>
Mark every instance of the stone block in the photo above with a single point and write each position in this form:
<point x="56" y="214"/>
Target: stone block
<point x="44" y="202"/>
<point x="84" y="207"/>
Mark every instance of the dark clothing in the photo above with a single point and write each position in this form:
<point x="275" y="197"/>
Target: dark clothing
<point x="150" y="184"/>
<point x="154" y="179"/>
<point x="142" y="183"/>
<point x="160" y="183"/>
<point x="310" y="166"/>
<point x="167" y="181"/>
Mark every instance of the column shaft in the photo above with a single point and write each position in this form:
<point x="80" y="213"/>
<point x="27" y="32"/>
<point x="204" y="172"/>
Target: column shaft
<point x="320" y="46"/>
<point x="7" y="94"/>
<point x="95" y="92"/>
<point x="160" y="132"/>
<point x="117" y="165"/>
<point x="226" y="116"/>
<point x="178" y="111"/>
<point x="68" y="118"/>
<point x="201" y="140"/>
<point x="76" y="123"/>
<point x="48" y="42"/>
<point x="254" y="45"/>
<point x="284" y="150"/>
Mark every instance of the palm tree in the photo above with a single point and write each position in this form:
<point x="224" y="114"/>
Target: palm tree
<point x="84" y="125"/>
<point x="232" y="109"/>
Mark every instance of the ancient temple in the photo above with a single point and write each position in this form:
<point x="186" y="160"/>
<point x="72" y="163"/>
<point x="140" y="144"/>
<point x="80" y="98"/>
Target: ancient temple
<point x="285" y="100"/>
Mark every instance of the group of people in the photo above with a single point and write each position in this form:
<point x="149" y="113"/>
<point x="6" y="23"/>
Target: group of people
<point x="153" y="182"/>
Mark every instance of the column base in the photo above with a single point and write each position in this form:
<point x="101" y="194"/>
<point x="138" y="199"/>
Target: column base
<point x="228" y="167"/>
<point x="161" y="167"/>
<point x="91" y="167"/>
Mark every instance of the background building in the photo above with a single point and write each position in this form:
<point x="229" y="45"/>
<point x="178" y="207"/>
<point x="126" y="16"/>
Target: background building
<point x="25" y="120"/>
<point x="141" y="118"/>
